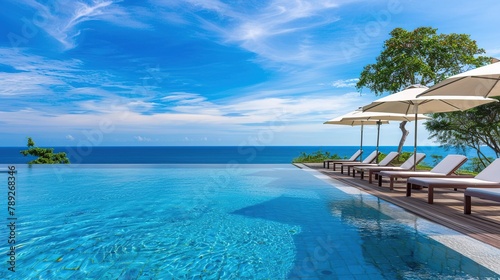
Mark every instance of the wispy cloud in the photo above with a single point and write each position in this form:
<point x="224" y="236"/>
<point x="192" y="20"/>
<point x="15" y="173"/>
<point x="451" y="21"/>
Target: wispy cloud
<point x="63" y="19"/>
<point x="212" y="5"/>
<point x="276" y="31"/>
<point x="281" y="31"/>
<point x="184" y="98"/>
<point x="35" y="74"/>
<point x="142" y="139"/>
<point x="349" y="83"/>
<point x="53" y="85"/>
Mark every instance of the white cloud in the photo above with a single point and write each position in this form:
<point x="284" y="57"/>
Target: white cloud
<point x="25" y="83"/>
<point x="235" y="113"/>
<point x="283" y="116"/>
<point x="70" y="137"/>
<point x="213" y="5"/>
<point x="184" y="98"/>
<point x="37" y="75"/>
<point x="278" y="31"/>
<point x="142" y="139"/>
<point x="281" y="31"/>
<point x="344" y="83"/>
<point x="140" y="106"/>
<point x="63" y="20"/>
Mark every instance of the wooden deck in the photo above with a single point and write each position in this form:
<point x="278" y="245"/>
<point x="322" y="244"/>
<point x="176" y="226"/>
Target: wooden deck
<point x="483" y="224"/>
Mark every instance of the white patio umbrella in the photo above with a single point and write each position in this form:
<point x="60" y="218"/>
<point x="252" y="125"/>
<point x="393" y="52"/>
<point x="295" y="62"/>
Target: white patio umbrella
<point x="482" y="81"/>
<point x="378" y="117"/>
<point x="343" y="120"/>
<point x="406" y="101"/>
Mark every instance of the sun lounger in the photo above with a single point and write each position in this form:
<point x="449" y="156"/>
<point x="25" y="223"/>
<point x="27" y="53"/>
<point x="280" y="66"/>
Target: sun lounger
<point x="488" y="178"/>
<point x="353" y="158"/>
<point x="385" y="162"/>
<point x="483" y="193"/>
<point x="407" y="165"/>
<point x="444" y="168"/>
<point x="369" y="159"/>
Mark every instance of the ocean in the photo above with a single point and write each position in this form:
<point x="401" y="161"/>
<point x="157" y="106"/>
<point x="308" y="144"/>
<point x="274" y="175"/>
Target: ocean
<point x="209" y="154"/>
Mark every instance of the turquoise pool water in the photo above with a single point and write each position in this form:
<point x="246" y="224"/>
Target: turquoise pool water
<point x="221" y="222"/>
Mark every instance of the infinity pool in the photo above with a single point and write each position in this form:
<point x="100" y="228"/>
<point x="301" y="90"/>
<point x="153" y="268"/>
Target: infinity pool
<point x="222" y="222"/>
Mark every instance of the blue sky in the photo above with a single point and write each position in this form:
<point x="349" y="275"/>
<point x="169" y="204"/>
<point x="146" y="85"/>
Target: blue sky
<point x="207" y="72"/>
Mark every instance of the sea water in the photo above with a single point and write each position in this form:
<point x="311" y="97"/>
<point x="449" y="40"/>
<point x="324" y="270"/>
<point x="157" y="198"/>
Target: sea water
<point x="212" y="154"/>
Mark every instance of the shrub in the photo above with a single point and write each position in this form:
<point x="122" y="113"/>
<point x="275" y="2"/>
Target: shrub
<point x="45" y="155"/>
<point x="317" y="156"/>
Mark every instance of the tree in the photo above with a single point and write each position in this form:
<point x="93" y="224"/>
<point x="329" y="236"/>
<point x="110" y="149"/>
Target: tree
<point x="472" y="128"/>
<point x="421" y="57"/>
<point x="45" y="155"/>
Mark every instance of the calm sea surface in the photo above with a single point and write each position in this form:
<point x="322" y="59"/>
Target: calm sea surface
<point x="209" y="154"/>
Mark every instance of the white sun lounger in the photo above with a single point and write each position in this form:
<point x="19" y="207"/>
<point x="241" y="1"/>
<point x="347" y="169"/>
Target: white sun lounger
<point x="368" y="160"/>
<point x="444" y="168"/>
<point x="407" y="165"/>
<point x="483" y="193"/>
<point x="384" y="162"/>
<point x="353" y="158"/>
<point x="488" y="178"/>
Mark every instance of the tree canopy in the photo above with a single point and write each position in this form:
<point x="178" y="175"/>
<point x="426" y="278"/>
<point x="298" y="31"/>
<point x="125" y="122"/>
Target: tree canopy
<point x="45" y="155"/>
<point x="473" y="128"/>
<point x="421" y="56"/>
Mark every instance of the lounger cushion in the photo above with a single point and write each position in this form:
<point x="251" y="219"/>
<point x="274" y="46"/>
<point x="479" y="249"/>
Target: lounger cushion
<point x="491" y="172"/>
<point x="407" y="174"/>
<point x="489" y="194"/>
<point x="371" y="157"/>
<point x="408" y="164"/>
<point x="449" y="164"/>
<point x="445" y="167"/>
<point x="390" y="157"/>
<point x="451" y="182"/>
<point x="355" y="155"/>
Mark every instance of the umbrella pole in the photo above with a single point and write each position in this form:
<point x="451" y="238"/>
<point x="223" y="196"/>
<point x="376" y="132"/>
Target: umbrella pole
<point x="361" y="145"/>
<point x="415" y="143"/>
<point x="378" y="137"/>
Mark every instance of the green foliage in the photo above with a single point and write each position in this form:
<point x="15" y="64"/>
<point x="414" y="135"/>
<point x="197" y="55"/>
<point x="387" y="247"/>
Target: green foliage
<point x="436" y="159"/>
<point x="421" y="57"/>
<point x="381" y="156"/>
<point x="317" y="156"/>
<point x="403" y="156"/>
<point x="473" y="128"/>
<point x="466" y="171"/>
<point x="45" y="155"/>
<point x="476" y="165"/>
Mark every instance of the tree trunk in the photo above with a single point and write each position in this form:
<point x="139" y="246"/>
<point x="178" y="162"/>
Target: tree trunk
<point x="403" y="136"/>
